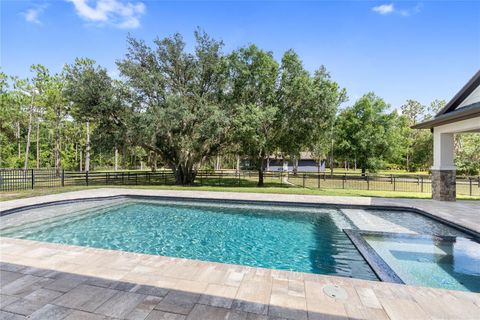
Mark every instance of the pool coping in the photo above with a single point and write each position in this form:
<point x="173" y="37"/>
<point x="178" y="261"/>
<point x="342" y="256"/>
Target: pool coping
<point x="337" y="206"/>
<point x="260" y="286"/>
<point x="380" y="268"/>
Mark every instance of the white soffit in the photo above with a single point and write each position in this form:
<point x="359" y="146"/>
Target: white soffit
<point x="472" y="98"/>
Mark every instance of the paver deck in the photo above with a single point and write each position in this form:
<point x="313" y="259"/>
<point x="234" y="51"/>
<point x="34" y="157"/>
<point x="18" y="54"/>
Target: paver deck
<point x="54" y="281"/>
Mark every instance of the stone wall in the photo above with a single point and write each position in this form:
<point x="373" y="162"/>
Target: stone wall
<point x="444" y="185"/>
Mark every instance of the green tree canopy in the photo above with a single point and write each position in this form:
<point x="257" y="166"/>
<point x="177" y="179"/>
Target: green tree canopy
<point x="177" y="104"/>
<point x="367" y="132"/>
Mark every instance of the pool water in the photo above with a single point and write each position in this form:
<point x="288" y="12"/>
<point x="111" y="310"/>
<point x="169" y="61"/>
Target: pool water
<point x="449" y="262"/>
<point x="299" y="239"/>
<point x="294" y="237"/>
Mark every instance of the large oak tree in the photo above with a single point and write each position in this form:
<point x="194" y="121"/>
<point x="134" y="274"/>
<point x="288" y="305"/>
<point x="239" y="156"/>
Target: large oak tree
<point x="178" y="106"/>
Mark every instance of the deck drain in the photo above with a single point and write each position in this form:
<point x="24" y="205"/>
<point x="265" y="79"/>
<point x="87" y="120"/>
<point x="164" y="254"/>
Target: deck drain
<point x="336" y="292"/>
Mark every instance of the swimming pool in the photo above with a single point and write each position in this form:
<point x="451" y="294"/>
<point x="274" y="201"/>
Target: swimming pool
<point x="285" y="237"/>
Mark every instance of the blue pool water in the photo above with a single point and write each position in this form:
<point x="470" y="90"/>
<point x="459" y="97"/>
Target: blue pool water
<point x="298" y="238"/>
<point x="307" y="240"/>
<point x="450" y="263"/>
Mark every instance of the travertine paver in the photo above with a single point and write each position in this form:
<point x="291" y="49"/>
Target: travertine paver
<point x="121" y="304"/>
<point x="54" y="281"/>
<point x="51" y="312"/>
<point x="85" y="297"/>
<point x="254" y="293"/>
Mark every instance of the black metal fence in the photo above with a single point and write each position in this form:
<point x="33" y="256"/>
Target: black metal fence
<point x="18" y="179"/>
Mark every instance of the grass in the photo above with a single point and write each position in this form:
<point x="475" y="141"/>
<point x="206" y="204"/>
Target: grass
<point x="232" y="186"/>
<point x="390" y="171"/>
<point x="327" y="170"/>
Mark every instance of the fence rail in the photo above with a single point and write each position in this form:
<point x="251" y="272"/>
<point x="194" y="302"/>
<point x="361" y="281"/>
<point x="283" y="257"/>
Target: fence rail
<point x="18" y="179"/>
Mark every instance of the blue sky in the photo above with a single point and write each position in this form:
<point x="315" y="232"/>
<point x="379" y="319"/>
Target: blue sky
<point x="400" y="50"/>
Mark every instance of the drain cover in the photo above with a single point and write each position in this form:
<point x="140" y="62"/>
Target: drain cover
<point x="336" y="292"/>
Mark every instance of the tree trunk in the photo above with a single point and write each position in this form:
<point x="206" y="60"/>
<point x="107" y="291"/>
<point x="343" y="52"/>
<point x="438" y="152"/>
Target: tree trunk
<point x="184" y="175"/>
<point x="268" y="163"/>
<point x="18" y="140"/>
<point x="218" y="164"/>
<point x="295" y="165"/>
<point x="116" y="158"/>
<point x="29" y="133"/>
<point x="364" y="169"/>
<point x="58" y="159"/>
<point x="124" y="156"/>
<point x="153" y="159"/>
<point x="81" y="160"/>
<point x="87" y="149"/>
<point x="260" y="174"/>
<point x="408" y="158"/>
<point x="238" y="165"/>
<point x="38" y="143"/>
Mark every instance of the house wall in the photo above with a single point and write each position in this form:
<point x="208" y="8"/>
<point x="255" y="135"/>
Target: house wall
<point x="306" y="165"/>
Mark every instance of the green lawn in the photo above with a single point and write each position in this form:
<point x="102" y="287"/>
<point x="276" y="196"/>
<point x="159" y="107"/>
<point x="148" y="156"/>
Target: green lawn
<point x="269" y="188"/>
<point x="327" y="170"/>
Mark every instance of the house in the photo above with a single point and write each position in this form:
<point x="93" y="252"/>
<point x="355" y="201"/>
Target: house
<point x="305" y="163"/>
<point x="461" y="114"/>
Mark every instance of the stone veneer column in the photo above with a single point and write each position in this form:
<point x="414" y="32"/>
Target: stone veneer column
<point x="444" y="185"/>
<point x="443" y="170"/>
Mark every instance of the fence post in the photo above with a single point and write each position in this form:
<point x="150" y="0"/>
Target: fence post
<point x="86" y="177"/>
<point x="33" y="179"/>
<point x="394" y="187"/>
<point x="368" y="182"/>
<point x="63" y="177"/>
<point x="318" y="181"/>
<point x="343" y="181"/>
<point x="421" y="184"/>
<point x="304" y="180"/>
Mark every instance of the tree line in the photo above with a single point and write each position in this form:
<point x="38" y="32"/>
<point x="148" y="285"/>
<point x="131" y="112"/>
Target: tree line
<point x="182" y="110"/>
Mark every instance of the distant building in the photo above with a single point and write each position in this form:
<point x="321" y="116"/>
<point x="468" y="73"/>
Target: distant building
<point x="306" y="163"/>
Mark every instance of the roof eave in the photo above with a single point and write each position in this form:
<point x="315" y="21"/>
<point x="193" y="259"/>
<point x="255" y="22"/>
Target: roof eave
<point x="468" y="113"/>
<point x="461" y="95"/>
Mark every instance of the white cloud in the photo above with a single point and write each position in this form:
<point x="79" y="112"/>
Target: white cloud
<point x="384" y="8"/>
<point x="32" y="15"/>
<point x="125" y="15"/>
<point x="412" y="11"/>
